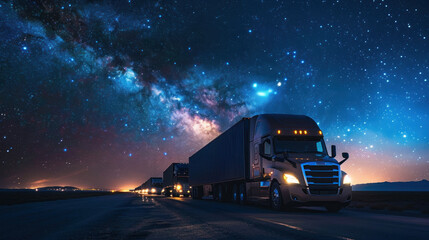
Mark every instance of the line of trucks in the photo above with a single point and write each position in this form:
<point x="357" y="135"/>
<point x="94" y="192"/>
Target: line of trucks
<point x="277" y="159"/>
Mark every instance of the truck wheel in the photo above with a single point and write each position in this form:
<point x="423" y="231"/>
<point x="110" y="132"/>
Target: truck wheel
<point x="196" y="193"/>
<point x="219" y="193"/>
<point x="235" y="193"/>
<point x="242" y="195"/>
<point x="333" y="208"/>
<point x="276" y="200"/>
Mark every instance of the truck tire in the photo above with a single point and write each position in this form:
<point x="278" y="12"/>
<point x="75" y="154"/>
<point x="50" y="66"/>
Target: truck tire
<point x="276" y="200"/>
<point x="220" y="193"/>
<point x="242" y="195"/>
<point x="333" y="208"/>
<point x="235" y="193"/>
<point x="195" y="194"/>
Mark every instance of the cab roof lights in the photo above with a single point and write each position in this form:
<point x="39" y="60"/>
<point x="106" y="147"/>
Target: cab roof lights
<point x="300" y="132"/>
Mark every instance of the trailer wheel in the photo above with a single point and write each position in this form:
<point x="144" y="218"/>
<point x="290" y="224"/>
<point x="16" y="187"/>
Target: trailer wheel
<point x="242" y="195"/>
<point x="235" y="193"/>
<point x="197" y="192"/>
<point x="219" y="193"/>
<point x="276" y="200"/>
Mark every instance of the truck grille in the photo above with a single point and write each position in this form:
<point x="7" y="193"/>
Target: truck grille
<point x="322" y="179"/>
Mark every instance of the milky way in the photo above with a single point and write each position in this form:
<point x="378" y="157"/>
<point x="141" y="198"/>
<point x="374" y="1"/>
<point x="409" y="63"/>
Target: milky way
<point x="108" y="93"/>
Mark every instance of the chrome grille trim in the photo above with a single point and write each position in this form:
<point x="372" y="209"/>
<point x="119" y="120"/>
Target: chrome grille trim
<point x="325" y="168"/>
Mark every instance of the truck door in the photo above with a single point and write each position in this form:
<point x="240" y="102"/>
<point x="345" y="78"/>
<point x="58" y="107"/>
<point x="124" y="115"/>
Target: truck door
<point x="256" y="163"/>
<point x="255" y="173"/>
<point x="263" y="184"/>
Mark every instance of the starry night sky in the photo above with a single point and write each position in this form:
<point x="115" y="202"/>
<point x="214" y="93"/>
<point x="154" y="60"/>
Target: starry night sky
<point x="106" y="94"/>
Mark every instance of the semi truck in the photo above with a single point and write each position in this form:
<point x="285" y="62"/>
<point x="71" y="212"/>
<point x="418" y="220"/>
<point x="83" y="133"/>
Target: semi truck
<point x="279" y="159"/>
<point x="176" y="178"/>
<point x="152" y="186"/>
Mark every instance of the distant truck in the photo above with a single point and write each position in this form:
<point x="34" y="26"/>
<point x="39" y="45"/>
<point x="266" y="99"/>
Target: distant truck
<point x="176" y="178"/>
<point x="152" y="186"/>
<point x="276" y="158"/>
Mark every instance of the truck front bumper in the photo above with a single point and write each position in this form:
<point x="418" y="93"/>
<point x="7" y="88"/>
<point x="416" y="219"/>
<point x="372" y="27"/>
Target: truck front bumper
<point x="301" y="196"/>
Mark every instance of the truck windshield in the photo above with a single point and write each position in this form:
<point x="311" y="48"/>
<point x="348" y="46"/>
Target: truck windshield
<point x="299" y="145"/>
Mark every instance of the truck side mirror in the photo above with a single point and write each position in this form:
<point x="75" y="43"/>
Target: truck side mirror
<point x="262" y="151"/>
<point x="345" y="156"/>
<point x="333" y="151"/>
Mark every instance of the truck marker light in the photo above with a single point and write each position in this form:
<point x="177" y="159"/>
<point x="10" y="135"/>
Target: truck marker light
<point x="278" y="131"/>
<point x="296" y="132"/>
<point x="305" y="131"/>
<point x="300" y="132"/>
<point x="320" y="132"/>
<point x="153" y="190"/>
<point x="290" y="179"/>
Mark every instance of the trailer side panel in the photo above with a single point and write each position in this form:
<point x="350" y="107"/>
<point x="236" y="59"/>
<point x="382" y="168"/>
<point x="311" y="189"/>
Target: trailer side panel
<point x="223" y="159"/>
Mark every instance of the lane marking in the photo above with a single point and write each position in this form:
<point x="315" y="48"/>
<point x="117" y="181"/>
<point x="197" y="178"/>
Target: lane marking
<point x="281" y="224"/>
<point x="295" y="227"/>
<point x="181" y="200"/>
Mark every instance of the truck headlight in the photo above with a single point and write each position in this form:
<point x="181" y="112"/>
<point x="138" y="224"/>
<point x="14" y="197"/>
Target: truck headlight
<point x="347" y="180"/>
<point x="290" y="179"/>
<point x="153" y="190"/>
<point x="178" y="187"/>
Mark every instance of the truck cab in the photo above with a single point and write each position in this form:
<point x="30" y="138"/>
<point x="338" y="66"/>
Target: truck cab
<point x="290" y="164"/>
<point x="176" y="182"/>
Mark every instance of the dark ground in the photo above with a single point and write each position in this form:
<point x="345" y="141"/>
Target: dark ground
<point x="392" y="201"/>
<point x="10" y="197"/>
<point x="129" y="216"/>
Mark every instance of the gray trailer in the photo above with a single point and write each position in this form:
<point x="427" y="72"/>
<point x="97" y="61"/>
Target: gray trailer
<point x="276" y="158"/>
<point x="176" y="180"/>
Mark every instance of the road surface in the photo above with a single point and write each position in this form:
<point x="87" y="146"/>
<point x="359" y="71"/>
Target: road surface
<point x="129" y="216"/>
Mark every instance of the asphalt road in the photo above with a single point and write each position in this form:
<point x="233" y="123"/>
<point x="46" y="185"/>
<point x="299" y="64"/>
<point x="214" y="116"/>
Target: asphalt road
<point x="129" y="216"/>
